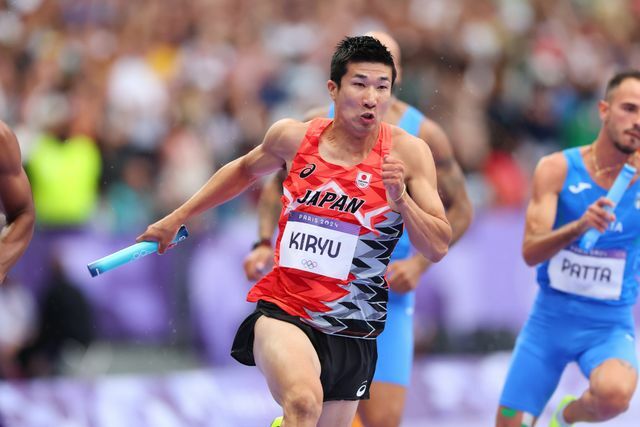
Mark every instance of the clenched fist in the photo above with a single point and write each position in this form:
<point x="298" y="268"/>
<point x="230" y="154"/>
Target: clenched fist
<point x="393" y="178"/>
<point x="598" y="215"/>
<point x="162" y="231"/>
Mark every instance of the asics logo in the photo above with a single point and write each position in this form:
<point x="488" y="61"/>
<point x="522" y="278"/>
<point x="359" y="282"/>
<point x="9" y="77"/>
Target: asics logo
<point x="308" y="170"/>
<point x="310" y="264"/>
<point x="361" y="390"/>
<point x="575" y="189"/>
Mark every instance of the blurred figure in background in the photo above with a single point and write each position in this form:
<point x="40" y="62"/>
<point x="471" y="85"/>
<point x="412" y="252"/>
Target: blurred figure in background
<point x="64" y="168"/>
<point x="17" y="215"/>
<point x="18" y="327"/>
<point x="130" y="200"/>
<point x="583" y="311"/>
<point x="66" y="322"/>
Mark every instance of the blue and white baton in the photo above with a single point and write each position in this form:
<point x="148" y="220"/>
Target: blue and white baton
<point x="615" y="193"/>
<point x="131" y="253"/>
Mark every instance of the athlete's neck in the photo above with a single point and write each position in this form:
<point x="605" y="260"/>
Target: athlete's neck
<point x="606" y="157"/>
<point x="349" y="147"/>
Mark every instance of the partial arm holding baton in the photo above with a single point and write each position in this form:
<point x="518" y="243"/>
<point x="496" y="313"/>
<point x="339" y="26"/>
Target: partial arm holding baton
<point x="615" y="193"/>
<point x="131" y="253"/>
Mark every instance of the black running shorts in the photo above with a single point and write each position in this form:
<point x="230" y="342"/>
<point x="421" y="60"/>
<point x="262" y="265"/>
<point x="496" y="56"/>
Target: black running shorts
<point x="347" y="364"/>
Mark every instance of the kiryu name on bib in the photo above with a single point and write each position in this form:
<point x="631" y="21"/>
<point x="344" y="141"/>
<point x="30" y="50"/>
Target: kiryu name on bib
<point x="318" y="245"/>
<point x="596" y="274"/>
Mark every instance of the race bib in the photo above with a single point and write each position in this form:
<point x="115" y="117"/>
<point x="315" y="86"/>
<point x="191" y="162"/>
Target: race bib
<point x="319" y="245"/>
<point x="597" y="274"/>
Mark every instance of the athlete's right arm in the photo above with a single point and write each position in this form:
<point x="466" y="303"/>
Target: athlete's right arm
<point x="278" y="147"/>
<point x="259" y="259"/>
<point x="541" y="241"/>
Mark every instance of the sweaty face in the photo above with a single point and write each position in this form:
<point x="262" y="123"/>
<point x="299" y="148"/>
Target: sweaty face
<point x="621" y="116"/>
<point x="364" y="95"/>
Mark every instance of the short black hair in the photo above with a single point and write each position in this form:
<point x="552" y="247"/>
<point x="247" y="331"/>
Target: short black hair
<point x="618" y="78"/>
<point x="359" y="49"/>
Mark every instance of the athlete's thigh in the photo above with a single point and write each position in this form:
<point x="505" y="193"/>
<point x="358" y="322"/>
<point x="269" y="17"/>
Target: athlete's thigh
<point x="286" y="357"/>
<point x="536" y="367"/>
<point x="385" y="405"/>
<point x="338" y="413"/>
<point x="618" y="343"/>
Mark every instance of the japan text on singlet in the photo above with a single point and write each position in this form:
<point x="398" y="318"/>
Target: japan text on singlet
<point x="608" y="274"/>
<point x="336" y="235"/>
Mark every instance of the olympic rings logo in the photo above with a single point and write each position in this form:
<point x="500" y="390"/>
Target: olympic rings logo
<point x="140" y="254"/>
<point x="310" y="264"/>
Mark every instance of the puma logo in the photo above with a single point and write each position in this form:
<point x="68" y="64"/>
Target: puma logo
<point x="575" y="189"/>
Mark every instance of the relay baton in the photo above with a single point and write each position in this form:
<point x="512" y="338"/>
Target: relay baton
<point x="131" y="253"/>
<point x="615" y="193"/>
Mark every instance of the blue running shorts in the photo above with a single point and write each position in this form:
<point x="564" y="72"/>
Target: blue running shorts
<point x="560" y="330"/>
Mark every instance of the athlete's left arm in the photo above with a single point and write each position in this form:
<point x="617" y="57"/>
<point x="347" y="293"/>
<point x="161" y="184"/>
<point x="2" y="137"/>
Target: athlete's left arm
<point x="451" y="182"/>
<point x="404" y="275"/>
<point x="420" y="206"/>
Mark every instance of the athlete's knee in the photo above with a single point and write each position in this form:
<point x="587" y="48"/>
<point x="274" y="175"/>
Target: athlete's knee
<point x="612" y="399"/>
<point x="380" y="415"/>
<point x="302" y="403"/>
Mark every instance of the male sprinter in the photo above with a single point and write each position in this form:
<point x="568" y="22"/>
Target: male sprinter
<point x="395" y="344"/>
<point x="352" y="183"/>
<point x="582" y="312"/>
<point x="16" y="203"/>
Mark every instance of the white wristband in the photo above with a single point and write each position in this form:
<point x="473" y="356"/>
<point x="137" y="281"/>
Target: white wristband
<point x="404" y="190"/>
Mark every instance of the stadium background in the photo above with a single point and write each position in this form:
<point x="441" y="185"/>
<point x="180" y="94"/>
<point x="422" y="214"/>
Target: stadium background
<point x="124" y="108"/>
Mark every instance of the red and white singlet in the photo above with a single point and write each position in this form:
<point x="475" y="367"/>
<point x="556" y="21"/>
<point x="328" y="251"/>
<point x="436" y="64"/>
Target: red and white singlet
<point x="336" y="235"/>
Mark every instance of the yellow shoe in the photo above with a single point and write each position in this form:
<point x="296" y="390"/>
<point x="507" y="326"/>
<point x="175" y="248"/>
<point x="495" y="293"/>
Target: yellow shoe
<point x="277" y="422"/>
<point x="556" y="420"/>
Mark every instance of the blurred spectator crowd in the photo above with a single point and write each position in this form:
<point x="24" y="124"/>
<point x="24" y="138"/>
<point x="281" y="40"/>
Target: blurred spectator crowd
<point x="124" y="108"/>
<point x="151" y="97"/>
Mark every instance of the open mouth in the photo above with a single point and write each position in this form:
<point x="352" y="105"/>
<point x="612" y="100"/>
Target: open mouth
<point x="634" y="134"/>
<point x="367" y="116"/>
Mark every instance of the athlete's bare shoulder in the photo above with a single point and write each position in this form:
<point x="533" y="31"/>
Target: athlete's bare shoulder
<point x="289" y="130"/>
<point x="402" y="139"/>
<point x="551" y="172"/>
<point x="284" y="137"/>
<point x="9" y="151"/>
<point x="433" y="134"/>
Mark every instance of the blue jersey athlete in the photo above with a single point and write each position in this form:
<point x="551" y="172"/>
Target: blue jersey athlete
<point x="395" y="344"/>
<point x="583" y="311"/>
